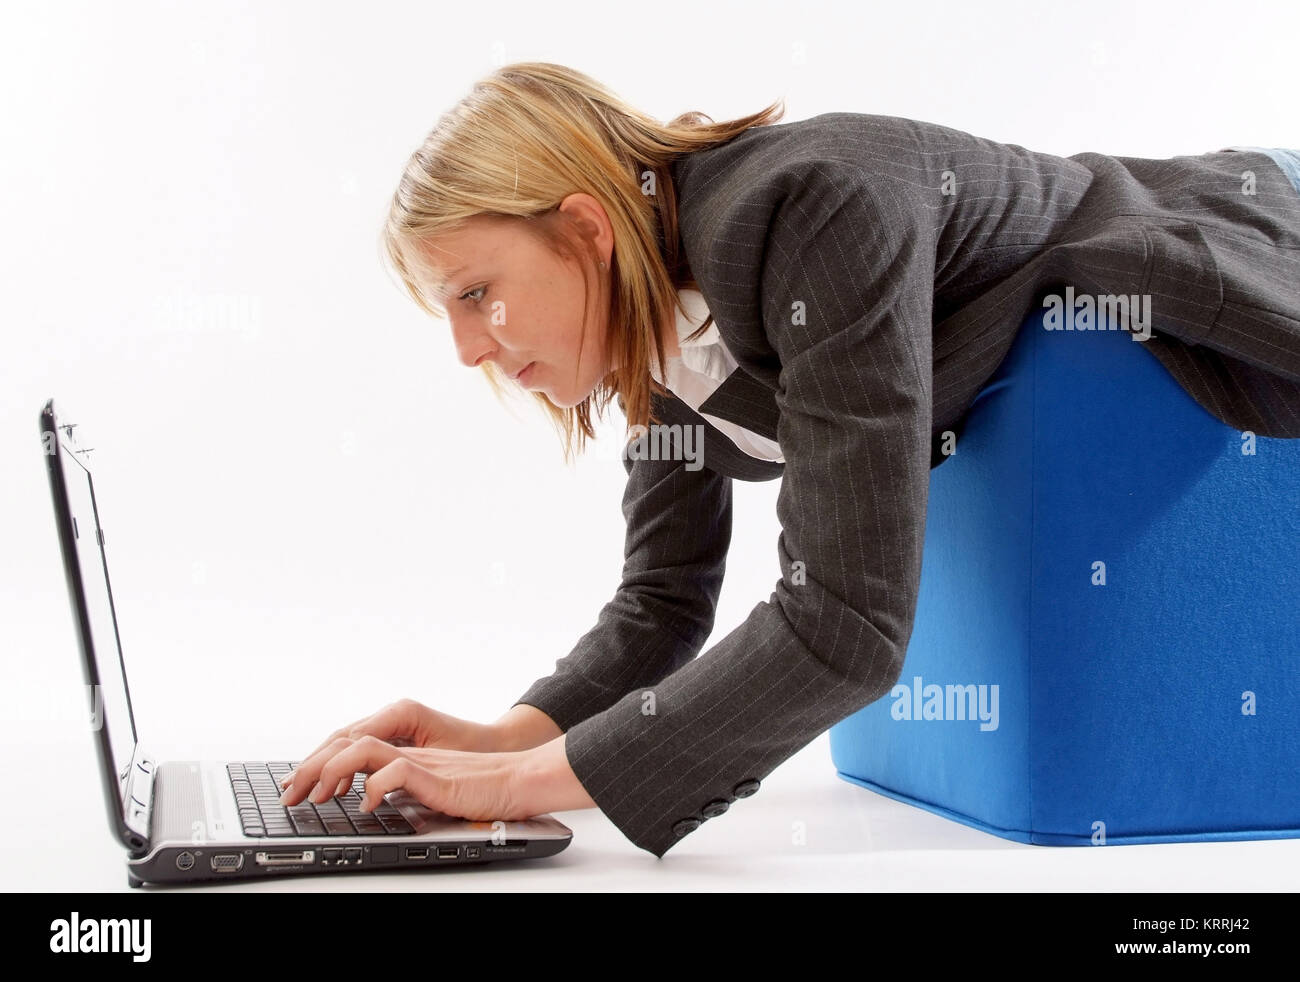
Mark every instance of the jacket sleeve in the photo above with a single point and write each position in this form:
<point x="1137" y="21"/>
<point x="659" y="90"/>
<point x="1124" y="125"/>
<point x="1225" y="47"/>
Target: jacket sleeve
<point x="678" y="532"/>
<point x="845" y="287"/>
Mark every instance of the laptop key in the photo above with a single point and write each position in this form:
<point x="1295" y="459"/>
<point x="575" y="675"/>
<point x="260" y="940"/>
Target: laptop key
<point x="309" y="826"/>
<point x="330" y="807"/>
<point x="397" y="825"/>
<point x="338" y="826"/>
<point x="352" y="805"/>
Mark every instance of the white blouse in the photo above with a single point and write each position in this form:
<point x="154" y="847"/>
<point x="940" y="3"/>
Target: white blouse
<point x="700" y="368"/>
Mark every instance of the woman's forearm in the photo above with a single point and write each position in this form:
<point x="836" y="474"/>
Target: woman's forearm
<point x="523" y="727"/>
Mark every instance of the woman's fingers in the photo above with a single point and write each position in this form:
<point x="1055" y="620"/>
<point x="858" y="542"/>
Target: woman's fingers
<point x="338" y="734"/>
<point x="304" y="779"/>
<point x="403" y="772"/>
<point x="395" y="724"/>
<point x="367" y="754"/>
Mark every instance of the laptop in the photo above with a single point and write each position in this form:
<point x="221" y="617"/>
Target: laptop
<point x="187" y="821"/>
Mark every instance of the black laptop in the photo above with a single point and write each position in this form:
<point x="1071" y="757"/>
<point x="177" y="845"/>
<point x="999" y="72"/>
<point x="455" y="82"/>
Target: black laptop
<point x="184" y="821"/>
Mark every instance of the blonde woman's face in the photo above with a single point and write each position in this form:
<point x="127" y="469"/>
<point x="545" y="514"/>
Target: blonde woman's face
<point x="512" y="301"/>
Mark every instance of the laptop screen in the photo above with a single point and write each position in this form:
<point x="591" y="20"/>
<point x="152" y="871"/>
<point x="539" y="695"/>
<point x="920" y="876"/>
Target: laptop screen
<point x="111" y="705"/>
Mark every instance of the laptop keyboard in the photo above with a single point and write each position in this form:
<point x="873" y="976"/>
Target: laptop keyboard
<point x="257" y="791"/>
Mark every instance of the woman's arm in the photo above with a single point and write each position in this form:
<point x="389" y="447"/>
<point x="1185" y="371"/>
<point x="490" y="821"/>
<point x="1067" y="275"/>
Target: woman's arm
<point x="678" y="530"/>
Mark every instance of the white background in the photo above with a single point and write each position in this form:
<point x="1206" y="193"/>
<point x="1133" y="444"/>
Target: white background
<point x="313" y="509"/>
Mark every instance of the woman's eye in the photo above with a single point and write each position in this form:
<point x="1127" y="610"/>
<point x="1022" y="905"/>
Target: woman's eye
<point x="478" y="289"/>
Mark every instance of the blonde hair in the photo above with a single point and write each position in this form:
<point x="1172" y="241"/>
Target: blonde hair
<point x="525" y="137"/>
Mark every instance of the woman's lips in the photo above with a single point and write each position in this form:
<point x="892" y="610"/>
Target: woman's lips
<point x="522" y="377"/>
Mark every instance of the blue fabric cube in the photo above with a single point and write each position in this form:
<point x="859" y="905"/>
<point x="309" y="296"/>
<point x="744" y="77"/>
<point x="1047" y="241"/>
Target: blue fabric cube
<point x="1109" y="568"/>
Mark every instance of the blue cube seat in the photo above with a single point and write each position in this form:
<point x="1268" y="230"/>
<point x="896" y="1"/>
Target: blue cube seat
<point x="1107" y="639"/>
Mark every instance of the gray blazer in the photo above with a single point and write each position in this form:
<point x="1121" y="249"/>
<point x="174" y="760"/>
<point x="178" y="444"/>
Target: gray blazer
<point x="866" y="308"/>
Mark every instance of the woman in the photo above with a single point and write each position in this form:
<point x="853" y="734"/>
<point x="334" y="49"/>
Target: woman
<point x="868" y="274"/>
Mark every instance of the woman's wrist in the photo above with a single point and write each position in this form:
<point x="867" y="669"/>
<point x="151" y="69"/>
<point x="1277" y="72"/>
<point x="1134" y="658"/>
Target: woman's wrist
<point x="523" y="727"/>
<point x="543" y="781"/>
<point x="479" y="738"/>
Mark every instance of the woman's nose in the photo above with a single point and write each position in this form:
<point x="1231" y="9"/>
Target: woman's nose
<point x="472" y="350"/>
<point x="473" y="361"/>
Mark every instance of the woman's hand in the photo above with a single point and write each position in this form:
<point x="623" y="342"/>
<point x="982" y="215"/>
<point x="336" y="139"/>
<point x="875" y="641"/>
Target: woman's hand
<point x="478" y="786"/>
<point x="407" y="723"/>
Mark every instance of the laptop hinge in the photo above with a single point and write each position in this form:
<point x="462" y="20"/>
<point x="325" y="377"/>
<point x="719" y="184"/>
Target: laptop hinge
<point x="138" y="798"/>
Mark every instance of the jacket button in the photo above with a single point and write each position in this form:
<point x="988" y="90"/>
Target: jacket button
<point x="686" y="826"/>
<point x="745" y="788"/>
<point x="714" y="808"/>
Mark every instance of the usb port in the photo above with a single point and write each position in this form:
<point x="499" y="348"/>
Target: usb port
<point x="417" y="853"/>
<point x="448" y="852"/>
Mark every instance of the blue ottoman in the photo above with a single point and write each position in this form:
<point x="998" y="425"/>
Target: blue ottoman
<point x="1107" y="639"/>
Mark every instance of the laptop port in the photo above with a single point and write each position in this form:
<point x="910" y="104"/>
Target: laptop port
<point x="471" y="852"/>
<point x="417" y="854"/>
<point x="185" y="861"/>
<point x="227" y="862"/>
<point x="352" y="856"/>
<point x="285" y="858"/>
<point x="448" y="852"/>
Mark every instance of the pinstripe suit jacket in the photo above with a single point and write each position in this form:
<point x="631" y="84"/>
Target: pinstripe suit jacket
<point x="869" y="274"/>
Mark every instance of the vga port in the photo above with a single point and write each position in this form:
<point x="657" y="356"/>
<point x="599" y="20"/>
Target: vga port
<point x="227" y="862"/>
